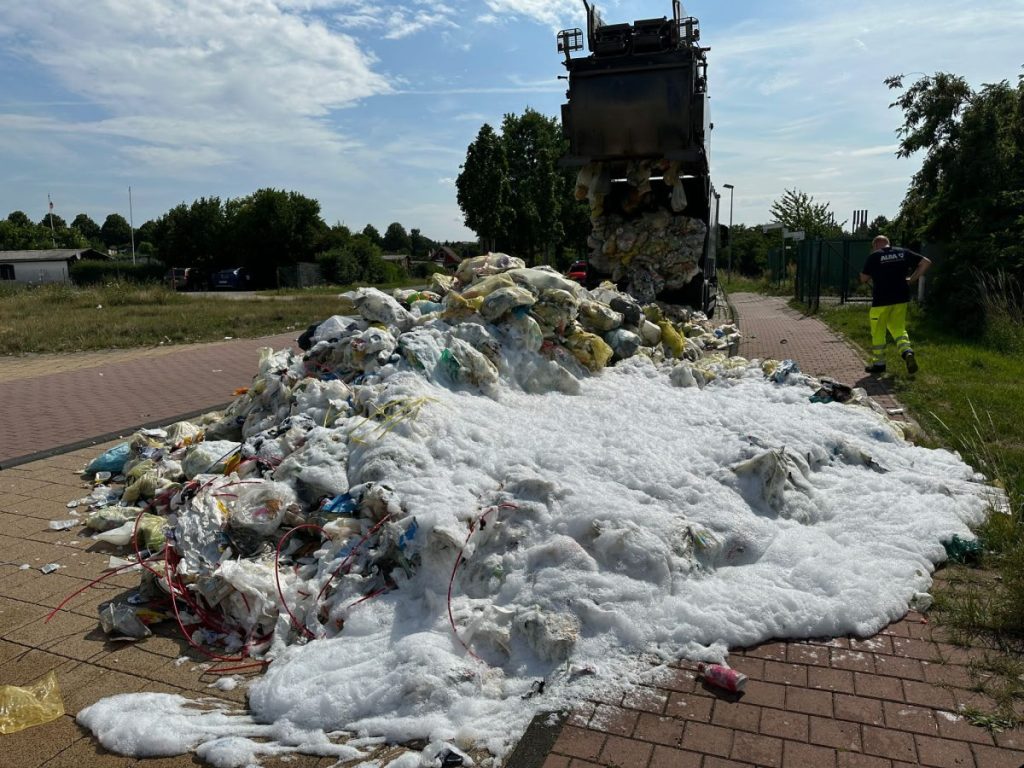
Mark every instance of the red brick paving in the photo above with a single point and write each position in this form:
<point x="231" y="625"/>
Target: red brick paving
<point x="772" y="329"/>
<point x="46" y="411"/>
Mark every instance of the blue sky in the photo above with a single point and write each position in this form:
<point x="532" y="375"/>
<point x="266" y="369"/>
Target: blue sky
<point x="369" y="106"/>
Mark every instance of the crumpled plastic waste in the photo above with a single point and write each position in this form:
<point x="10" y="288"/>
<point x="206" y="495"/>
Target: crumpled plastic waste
<point x="112" y="460"/>
<point x="124" y="621"/>
<point x="963" y="551"/>
<point x="36" y="704"/>
<point x="832" y="391"/>
<point x="783" y="370"/>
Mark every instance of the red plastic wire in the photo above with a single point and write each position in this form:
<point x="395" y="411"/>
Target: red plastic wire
<point x="277" y="577"/>
<point x="352" y="554"/>
<point x="177" y="616"/>
<point x="451" y="582"/>
<point x="91" y="584"/>
<point x="455" y="569"/>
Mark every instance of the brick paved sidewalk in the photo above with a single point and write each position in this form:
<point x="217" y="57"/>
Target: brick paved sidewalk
<point x="772" y="329"/>
<point x="101" y="395"/>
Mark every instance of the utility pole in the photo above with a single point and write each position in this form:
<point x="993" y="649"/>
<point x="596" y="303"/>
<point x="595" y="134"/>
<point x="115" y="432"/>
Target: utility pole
<point x="53" y="237"/>
<point x="730" y="187"/>
<point x="131" y="222"/>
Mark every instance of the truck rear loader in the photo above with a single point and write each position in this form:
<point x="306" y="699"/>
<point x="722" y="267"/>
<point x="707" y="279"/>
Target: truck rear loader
<point x="638" y="128"/>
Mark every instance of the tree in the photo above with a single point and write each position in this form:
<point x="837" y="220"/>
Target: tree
<point x="53" y="219"/>
<point x="19" y="219"/>
<point x="880" y="226"/>
<point x="969" y="191"/>
<point x="273" y="228"/>
<point x="533" y="144"/>
<point x="749" y="249"/>
<point x="115" y="231"/>
<point x="15" y="236"/>
<point x="333" y="238"/>
<point x="371" y="233"/>
<point x="971" y="182"/>
<point x="482" y="188"/>
<point x="797" y="210"/>
<point x="419" y="245"/>
<point x="191" y="235"/>
<point x="396" y="239"/>
<point x="88" y="228"/>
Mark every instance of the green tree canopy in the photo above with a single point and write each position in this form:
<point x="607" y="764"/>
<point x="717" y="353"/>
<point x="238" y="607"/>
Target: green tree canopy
<point x="19" y="219"/>
<point x="89" y="229"/>
<point x="271" y="228"/>
<point x="191" y="235"/>
<point x="53" y="219"/>
<point x="373" y="235"/>
<point x="482" y="188"/>
<point x="115" y="231"/>
<point x="971" y="183"/>
<point x="396" y="239"/>
<point x="797" y="210"/>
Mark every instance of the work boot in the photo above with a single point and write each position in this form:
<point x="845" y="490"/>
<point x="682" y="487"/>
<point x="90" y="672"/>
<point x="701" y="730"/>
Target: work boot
<point x="875" y="368"/>
<point x="910" y="360"/>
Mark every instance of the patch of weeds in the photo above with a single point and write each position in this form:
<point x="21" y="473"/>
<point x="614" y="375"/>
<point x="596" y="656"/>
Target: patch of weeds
<point x="991" y="721"/>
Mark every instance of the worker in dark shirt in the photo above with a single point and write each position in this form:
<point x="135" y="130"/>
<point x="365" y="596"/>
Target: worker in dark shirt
<point x="891" y="271"/>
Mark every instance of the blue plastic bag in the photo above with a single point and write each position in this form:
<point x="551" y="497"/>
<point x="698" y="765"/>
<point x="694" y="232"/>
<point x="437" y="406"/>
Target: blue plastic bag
<point x="112" y="461"/>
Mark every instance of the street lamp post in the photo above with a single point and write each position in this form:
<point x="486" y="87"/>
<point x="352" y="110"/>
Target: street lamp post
<point x="730" y="187"/>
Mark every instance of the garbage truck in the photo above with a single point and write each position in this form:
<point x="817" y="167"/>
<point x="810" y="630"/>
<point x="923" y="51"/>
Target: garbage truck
<point x="638" y="128"/>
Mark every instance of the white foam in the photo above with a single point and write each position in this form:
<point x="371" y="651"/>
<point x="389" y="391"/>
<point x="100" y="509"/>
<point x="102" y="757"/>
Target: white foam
<point x="601" y="490"/>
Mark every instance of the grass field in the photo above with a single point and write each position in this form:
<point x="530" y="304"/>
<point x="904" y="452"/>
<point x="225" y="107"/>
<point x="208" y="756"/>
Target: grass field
<point x="967" y="397"/>
<point x="62" y="318"/>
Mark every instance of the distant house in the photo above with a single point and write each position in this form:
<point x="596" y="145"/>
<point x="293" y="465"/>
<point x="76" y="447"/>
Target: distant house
<point x="447" y="258"/>
<point x="400" y="259"/>
<point x="52" y="266"/>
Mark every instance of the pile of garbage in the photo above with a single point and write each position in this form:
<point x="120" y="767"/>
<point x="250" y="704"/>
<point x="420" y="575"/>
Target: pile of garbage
<point x="648" y="251"/>
<point x="256" y="528"/>
<point x="499" y="495"/>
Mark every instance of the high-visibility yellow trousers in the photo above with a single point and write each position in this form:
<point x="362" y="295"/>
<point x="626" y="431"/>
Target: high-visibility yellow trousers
<point x="893" y="319"/>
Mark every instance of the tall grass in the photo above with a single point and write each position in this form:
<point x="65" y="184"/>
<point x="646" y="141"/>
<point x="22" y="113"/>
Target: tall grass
<point x="1003" y="302"/>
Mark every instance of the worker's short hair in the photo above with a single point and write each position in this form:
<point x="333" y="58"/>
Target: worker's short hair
<point x="880" y="241"/>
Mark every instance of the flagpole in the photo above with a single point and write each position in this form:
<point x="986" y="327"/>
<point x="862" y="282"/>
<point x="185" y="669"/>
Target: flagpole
<point x="131" y="222"/>
<point x="53" y="237"/>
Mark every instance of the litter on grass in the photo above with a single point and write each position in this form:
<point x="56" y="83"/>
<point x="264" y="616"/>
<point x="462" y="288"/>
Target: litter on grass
<point x="453" y="501"/>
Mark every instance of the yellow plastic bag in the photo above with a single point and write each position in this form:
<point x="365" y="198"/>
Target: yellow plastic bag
<point x="22" y="708"/>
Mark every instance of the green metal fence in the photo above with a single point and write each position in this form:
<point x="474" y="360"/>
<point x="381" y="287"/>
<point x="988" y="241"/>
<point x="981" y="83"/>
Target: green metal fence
<point x="830" y="268"/>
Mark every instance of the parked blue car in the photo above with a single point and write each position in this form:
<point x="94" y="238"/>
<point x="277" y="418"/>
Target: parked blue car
<point x="233" y="279"/>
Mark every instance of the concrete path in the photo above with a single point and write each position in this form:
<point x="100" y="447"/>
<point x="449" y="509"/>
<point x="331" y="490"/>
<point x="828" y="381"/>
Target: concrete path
<point x="889" y="701"/>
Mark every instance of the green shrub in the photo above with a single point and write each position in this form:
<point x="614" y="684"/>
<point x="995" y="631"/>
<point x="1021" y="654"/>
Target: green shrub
<point x="424" y="269"/>
<point x="88" y="272"/>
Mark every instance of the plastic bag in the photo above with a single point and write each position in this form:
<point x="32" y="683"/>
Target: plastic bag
<point x="261" y="506"/>
<point x="110" y="461"/>
<point x="150" y="533"/>
<point x="210" y="457"/>
<point x="36" y="704"/>
<point x="963" y="551"/>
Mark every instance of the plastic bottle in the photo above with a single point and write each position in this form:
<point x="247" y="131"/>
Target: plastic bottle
<point x="722" y="677"/>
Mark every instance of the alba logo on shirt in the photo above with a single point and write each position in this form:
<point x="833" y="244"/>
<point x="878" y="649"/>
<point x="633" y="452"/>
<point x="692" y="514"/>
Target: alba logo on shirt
<point x="886" y="257"/>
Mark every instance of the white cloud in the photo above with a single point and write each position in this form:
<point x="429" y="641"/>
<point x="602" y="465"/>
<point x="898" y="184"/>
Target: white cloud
<point x="198" y="80"/>
<point x="553" y="13"/>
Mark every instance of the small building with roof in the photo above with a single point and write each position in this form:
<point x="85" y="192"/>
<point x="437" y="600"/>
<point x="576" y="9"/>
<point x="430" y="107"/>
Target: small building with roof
<point x="49" y="266"/>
